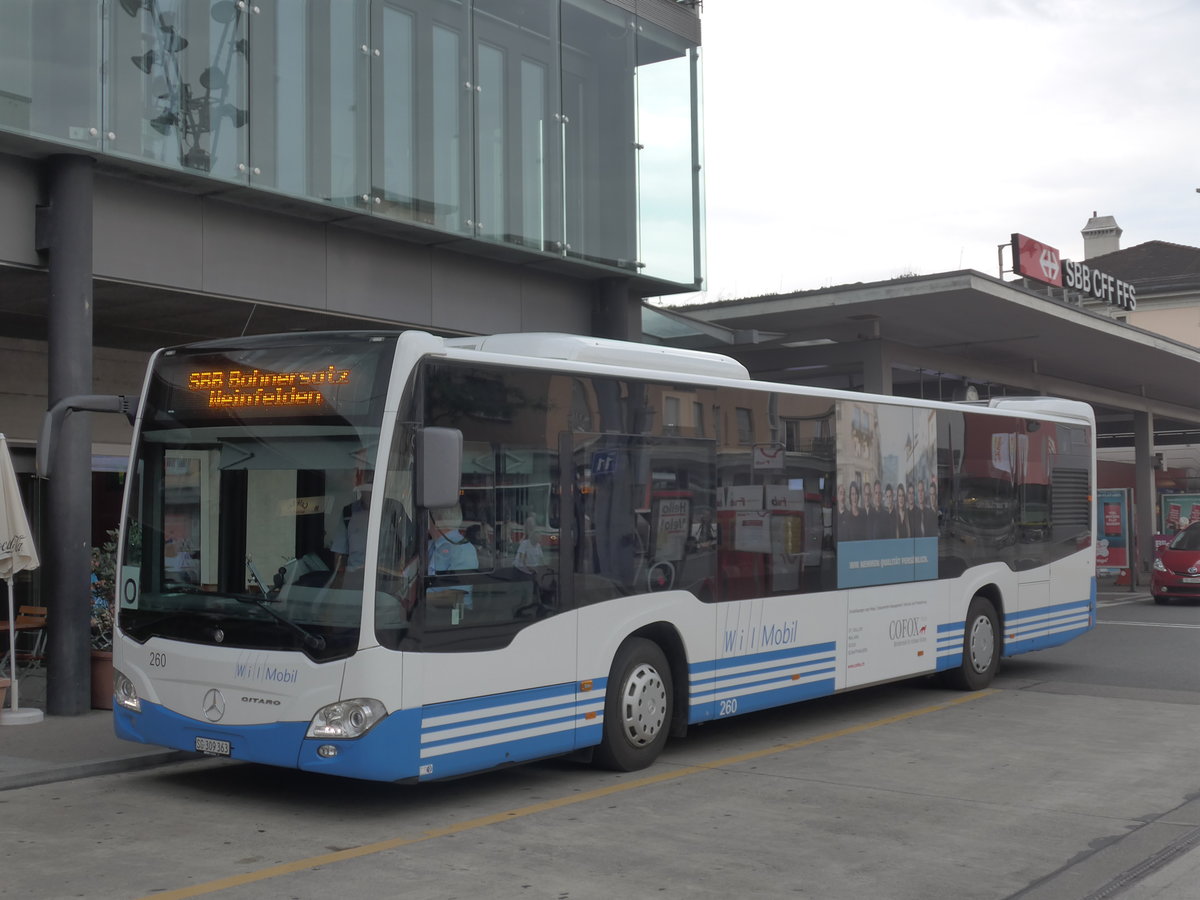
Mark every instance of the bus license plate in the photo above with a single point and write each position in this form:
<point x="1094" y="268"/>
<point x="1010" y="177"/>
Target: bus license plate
<point x="212" y="747"/>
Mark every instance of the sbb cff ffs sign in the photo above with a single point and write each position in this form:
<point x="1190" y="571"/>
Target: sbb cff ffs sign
<point x="1033" y="259"/>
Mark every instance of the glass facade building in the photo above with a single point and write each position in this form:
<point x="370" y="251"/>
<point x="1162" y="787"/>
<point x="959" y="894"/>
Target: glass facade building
<point x="555" y="129"/>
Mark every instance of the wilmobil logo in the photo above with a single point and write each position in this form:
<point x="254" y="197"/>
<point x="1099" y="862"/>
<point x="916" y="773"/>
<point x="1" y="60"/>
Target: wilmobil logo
<point x="264" y="672"/>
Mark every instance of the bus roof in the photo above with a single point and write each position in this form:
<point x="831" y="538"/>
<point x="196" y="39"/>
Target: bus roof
<point x="580" y="348"/>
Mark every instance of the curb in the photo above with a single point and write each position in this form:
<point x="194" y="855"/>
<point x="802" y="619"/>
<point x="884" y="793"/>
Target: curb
<point x="89" y="768"/>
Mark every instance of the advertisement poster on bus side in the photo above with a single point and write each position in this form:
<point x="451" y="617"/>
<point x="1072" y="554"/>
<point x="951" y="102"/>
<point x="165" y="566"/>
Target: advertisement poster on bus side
<point x="1112" y="528"/>
<point x="886" y="519"/>
<point x="891" y="634"/>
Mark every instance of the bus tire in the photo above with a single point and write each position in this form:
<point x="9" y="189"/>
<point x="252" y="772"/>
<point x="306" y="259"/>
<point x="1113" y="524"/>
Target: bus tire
<point x="637" y="707"/>
<point x="981" y="647"/>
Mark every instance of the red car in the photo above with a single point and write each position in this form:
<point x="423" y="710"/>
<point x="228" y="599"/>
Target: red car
<point x="1177" y="567"/>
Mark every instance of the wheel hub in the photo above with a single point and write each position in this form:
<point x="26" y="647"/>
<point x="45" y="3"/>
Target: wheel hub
<point x="643" y="705"/>
<point x="983" y="644"/>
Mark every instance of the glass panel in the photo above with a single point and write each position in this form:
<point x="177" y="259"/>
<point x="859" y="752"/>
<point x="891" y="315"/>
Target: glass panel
<point x="490" y="196"/>
<point x="598" y="134"/>
<point x="309" y="91"/>
<point x="395" y="146"/>
<point x="775" y="494"/>
<point x="667" y="143"/>
<point x="516" y="106"/>
<point x="978" y="490"/>
<point x="644" y="515"/>
<point x="534" y="132"/>
<point x="421" y="125"/>
<point x="177" y="87"/>
<point x="447" y="153"/>
<point x="247" y="514"/>
<point x="490" y="564"/>
<point x="50" y="70"/>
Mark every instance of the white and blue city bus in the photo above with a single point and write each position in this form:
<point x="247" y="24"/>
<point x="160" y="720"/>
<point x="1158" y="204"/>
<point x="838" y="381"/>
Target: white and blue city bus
<point x="393" y="556"/>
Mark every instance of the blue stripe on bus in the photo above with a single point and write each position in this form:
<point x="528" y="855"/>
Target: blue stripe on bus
<point x="760" y="680"/>
<point x="730" y="662"/>
<point x="462" y="736"/>
<point x="950" y="645"/>
<point x="1076" y="605"/>
<point x="1041" y="642"/>
<point x="430" y="745"/>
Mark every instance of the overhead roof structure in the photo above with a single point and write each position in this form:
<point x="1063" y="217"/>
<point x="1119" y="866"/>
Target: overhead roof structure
<point x="962" y="327"/>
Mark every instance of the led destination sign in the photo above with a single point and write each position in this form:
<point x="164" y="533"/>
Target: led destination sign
<point x="273" y="378"/>
<point x="239" y="388"/>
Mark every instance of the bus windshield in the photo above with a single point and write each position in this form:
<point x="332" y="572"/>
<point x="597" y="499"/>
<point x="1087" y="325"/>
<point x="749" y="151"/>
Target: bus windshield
<point x="253" y="475"/>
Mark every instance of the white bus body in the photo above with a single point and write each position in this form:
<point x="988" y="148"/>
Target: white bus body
<point x="696" y="560"/>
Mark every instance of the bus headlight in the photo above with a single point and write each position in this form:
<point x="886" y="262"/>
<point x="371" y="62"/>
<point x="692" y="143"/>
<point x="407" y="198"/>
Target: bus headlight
<point x="125" y="693"/>
<point x="346" y="719"/>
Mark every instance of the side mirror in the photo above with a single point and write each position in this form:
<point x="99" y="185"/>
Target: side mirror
<point x="439" y="467"/>
<point x="52" y="423"/>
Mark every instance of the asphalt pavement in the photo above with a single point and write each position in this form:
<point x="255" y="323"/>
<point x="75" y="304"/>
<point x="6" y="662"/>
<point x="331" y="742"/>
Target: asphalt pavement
<point x="62" y="748"/>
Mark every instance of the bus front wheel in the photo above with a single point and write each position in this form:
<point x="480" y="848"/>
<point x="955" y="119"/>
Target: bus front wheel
<point x="981" y="647"/>
<point x="637" y="707"/>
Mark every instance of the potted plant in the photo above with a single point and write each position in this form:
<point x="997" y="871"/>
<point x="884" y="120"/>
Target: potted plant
<point x="104" y="561"/>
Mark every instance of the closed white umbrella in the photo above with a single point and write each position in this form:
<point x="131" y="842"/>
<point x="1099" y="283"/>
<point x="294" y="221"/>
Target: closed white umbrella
<point x="17" y="554"/>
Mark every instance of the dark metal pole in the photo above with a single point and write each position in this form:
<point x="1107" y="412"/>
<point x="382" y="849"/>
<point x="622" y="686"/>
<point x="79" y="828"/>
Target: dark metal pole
<point x="65" y="233"/>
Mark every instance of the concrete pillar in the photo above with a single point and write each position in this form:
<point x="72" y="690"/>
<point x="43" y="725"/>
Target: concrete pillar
<point x="1145" y="491"/>
<point x="65" y="234"/>
<point x="616" y="311"/>
<point x="877" y="369"/>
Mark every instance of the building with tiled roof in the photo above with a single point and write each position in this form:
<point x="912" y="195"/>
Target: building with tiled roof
<point x="1167" y="279"/>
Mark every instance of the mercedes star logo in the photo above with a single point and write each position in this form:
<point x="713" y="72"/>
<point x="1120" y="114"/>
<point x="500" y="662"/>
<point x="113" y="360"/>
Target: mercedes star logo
<point x="214" y="706"/>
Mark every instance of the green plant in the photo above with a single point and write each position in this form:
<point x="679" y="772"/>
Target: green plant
<point x="104" y="580"/>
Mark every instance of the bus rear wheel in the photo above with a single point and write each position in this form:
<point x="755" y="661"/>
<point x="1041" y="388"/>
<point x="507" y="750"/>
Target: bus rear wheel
<point x="981" y="647"/>
<point x="637" y="707"/>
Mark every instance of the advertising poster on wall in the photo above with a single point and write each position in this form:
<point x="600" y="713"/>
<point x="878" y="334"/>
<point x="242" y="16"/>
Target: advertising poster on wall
<point x="1177" y="511"/>
<point x="1112" y="528"/>
<point x="886" y="522"/>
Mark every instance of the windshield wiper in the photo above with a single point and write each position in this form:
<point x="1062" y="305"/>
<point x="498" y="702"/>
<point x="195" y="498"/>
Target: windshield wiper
<point x="311" y="641"/>
<point x="140" y="631"/>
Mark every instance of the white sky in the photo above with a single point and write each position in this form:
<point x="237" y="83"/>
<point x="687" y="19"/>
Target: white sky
<point x="867" y="139"/>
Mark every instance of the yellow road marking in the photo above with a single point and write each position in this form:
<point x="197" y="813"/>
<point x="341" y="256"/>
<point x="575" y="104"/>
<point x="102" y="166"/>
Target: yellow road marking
<point x="311" y="862"/>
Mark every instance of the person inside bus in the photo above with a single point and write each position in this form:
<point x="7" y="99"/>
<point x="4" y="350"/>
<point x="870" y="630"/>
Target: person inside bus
<point x="449" y="551"/>
<point x="529" y="551"/>
<point x="350" y="541"/>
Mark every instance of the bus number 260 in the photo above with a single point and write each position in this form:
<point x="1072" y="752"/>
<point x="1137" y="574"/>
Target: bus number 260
<point x="157" y="660"/>
<point x="728" y="707"/>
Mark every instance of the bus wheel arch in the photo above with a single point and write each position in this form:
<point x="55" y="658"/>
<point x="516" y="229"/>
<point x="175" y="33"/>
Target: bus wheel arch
<point x="638" y="705"/>
<point x="669" y="641"/>
<point x="983" y="642"/>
